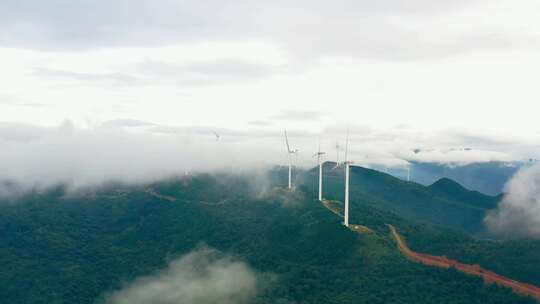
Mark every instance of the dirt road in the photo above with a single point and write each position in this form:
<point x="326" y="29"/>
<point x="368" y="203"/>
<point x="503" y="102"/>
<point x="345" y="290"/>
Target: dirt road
<point x="443" y="262"/>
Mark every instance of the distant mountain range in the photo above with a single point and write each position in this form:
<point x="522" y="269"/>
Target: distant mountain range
<point x="445" y="203"/>
<point x="489" y="177"/>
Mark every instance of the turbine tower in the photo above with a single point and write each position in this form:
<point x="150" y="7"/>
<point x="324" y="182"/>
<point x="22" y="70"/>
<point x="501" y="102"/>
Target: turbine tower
<point x="319" y="154"/>
<point x="337" y="153"/>
<point x="289" y="152"/>
<point x="347" y="171"/>
<point x="409" y="173"/>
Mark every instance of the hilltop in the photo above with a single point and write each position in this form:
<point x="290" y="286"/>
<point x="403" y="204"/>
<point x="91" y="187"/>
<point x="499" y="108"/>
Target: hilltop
<point x="487" y="177"/>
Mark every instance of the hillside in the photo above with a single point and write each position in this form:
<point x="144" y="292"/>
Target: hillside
<point x="452" y="190"/>
<point x="445" y="203"/>
<point x="518" y="259"/>
<point x="439" y="220"/>
<point x="60" y="247"/>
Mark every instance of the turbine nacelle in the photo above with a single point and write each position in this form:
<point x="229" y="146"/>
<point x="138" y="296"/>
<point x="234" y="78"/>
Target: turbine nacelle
<point x="338" y="165"/>
<point x="319" y="154"/>
<point x="295" y="151"/>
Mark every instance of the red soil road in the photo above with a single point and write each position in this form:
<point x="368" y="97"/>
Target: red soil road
<point x="328" y="205"/>
<point x="444" y="262"/>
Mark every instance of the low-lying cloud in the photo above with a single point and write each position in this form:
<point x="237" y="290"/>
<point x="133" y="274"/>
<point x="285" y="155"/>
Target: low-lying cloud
<point x="204" y="276"/>
<point x="518" y="214"/>
<point x="116" y="151"/>
<point x="458" y="156"/>
<point x="134" y="151"/>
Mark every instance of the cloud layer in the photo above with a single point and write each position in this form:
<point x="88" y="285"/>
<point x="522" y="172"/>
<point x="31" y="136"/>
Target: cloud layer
<point x="383" y="29"/>
<point x="117" y="150"/>
<point x="135" y="151"/>
<point x="518" y="214"/>
<point x="203" y="276"/>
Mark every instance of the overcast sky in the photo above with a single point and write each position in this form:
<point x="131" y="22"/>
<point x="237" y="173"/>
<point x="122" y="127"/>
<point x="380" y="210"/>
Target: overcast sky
<point x="458" y="79"/>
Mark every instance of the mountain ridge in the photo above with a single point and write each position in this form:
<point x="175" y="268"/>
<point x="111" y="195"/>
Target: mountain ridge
<point x="106" y="236"/>
<point x="455" y="207"/>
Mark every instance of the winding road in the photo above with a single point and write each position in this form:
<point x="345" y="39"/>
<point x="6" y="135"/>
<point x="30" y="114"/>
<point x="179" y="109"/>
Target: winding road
<point x="444" y="262"/>
<point x="489" y="277"/>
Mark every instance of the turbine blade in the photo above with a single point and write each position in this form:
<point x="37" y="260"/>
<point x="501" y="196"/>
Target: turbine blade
<point x="217" y="135"/>
<point x="347" y="146"/>
<point x="287" y="142"/>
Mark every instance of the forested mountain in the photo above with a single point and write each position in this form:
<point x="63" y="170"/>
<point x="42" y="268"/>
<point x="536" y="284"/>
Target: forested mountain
<point x="445" y="203"/>
<point x="62" y="247"/>
<point x="488" y="177"/>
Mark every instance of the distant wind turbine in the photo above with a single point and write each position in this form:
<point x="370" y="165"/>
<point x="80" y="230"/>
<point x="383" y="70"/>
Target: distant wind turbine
<point x="409" y="173"/>
<point x="337" y="153"/>
<point x="217" y="135"/>
<point x="319" y="155"/>
<point x="289" y="152"/>
<point x="337" y="156"/>
<point x="347" y="169"/>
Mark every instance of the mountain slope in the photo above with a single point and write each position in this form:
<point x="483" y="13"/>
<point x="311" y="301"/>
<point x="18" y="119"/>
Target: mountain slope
<point x="437" y="235"/>
<point x="445" y="203"/>
<point x="59" y="248"/>
<point x="453" y="191"/>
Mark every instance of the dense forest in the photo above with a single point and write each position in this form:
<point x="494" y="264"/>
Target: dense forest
<point x="77" y="247"/>
<point x="442" y="219"/>
<point x="445" y="203"/>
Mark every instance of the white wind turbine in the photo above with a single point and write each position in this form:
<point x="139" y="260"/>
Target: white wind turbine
<point x="319" y="155"/>
<point x="337" y="157"/>
<point x="216" y="135"/>
<point x="289" y="152"/>
<point x="347" y="169"/>
<point x="337" y="153"/>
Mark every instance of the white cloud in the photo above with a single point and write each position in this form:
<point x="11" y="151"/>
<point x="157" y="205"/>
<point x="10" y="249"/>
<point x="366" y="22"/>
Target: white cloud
<point x="136" y="151"/>
<point x="432" y="64"/>
<point x="462" y="156"/>
<point x="203" y="276"/>
<point x="79" y="157"/>
<point x="518" y="214"/>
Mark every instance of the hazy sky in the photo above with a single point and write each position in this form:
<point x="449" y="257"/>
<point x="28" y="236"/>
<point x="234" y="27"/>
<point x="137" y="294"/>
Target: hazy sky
<point x="432" y="74"/>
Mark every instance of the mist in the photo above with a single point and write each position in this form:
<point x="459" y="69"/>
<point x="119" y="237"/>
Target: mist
<point x="203" y="276"/>
<point x="132" y="151"/>
<point x="518" y="214"/>
<point x="82" y="157"/>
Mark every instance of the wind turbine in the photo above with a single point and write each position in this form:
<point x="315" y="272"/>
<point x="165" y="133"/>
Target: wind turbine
<point x="337" y="157"/>
<point x="347" y="170"/>
<point x="337" y="153"/>
<point x="319" y="154"/>
<point x="409" y="173"/>
<point x="217" y="135"/>
<point x="289" y="152"/>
